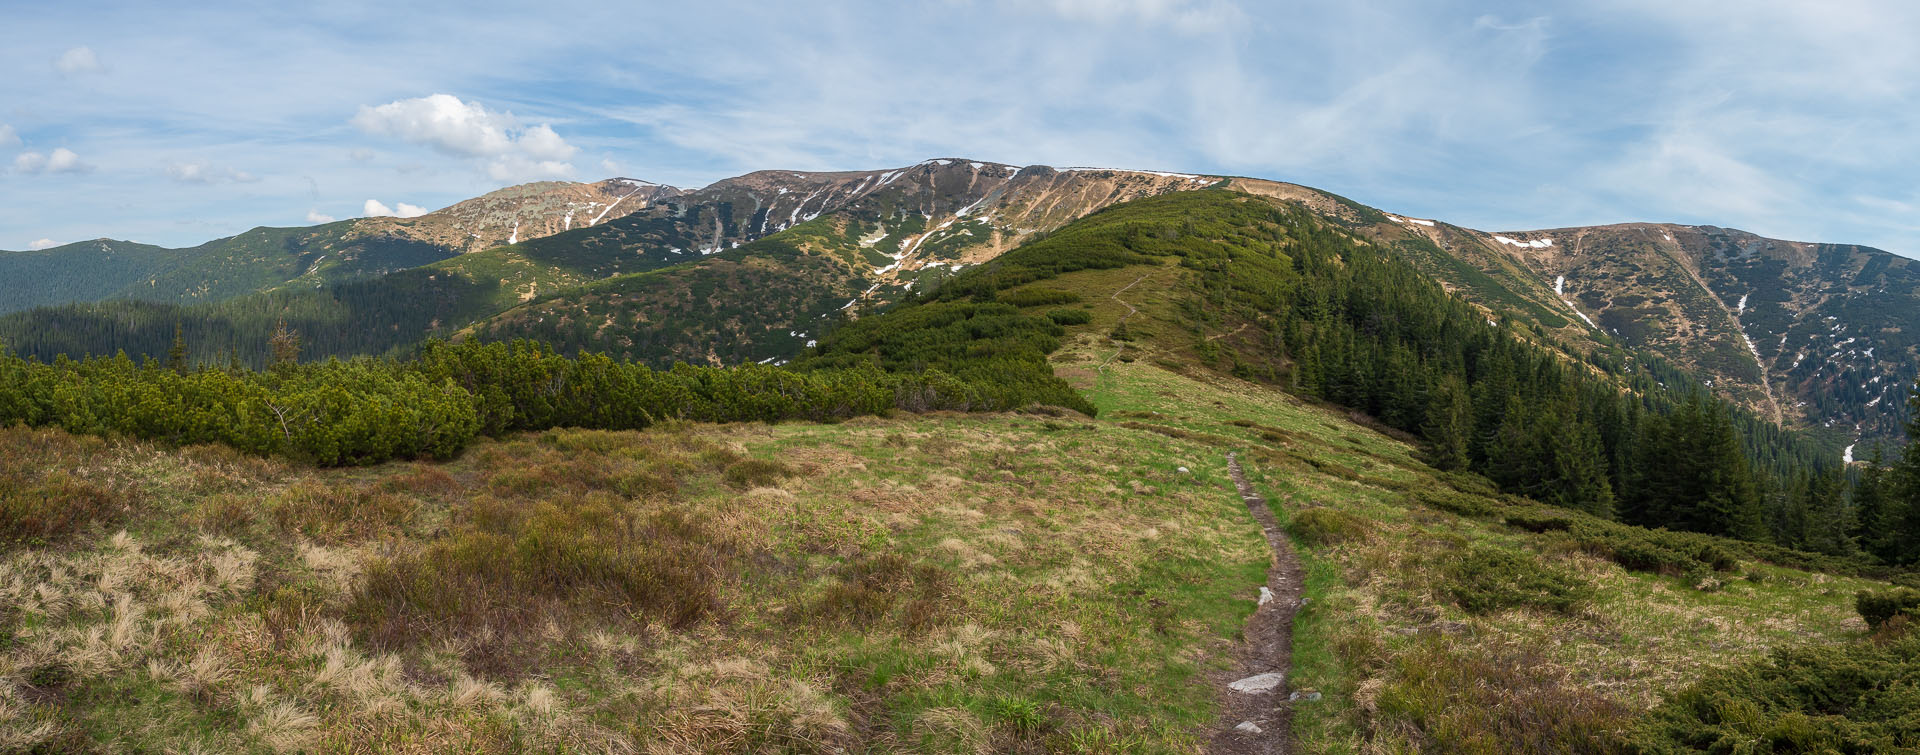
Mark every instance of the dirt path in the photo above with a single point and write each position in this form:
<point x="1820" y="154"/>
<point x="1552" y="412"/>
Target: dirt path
<point x="1258" y="716"/>
<point x="1123" y="318"/>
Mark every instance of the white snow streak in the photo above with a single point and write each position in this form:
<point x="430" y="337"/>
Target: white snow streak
<point x="616" y="203"/>
<point x="1560" y="286"/>
<point x="1741" y="308"/>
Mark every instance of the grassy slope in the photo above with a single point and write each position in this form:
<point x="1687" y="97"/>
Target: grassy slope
<point x="955" y="583"/>
<point x="1400" y="663"/>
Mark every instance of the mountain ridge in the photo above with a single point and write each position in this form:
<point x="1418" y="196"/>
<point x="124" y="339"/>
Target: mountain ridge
<point x="1764" y="322"/>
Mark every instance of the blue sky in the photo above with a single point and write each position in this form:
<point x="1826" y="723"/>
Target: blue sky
<point x="169" y="126"/>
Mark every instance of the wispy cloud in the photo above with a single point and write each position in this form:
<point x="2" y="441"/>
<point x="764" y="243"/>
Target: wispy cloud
<point x="315" y="216"/>
<point x="76" y="61"/>
<point x="8" y="137"/>
<point x="43" y="244"/>
<point x="204" y="173"/>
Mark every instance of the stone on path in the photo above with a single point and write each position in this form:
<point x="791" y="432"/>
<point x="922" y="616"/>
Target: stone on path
<point x="1259" y="683"/>
<point x="1266" y="595"/>
<point x="1249" y="727"/>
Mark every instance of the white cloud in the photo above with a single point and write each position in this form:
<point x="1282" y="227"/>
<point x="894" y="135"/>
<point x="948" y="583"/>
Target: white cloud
<point x="62" y="160"/>
<point x="360" y="155"/>
<point x="609" y="167"/>
<point x="43" y="244"/>
<point x="517" y="168"/>
<point x="77" y="61"/>
<point x="8" y="137"/>
<point x="203" y="173"/>
<point x="467" y="129"/>
<point x="374" y="208"/>
<point x="315" y="216"/>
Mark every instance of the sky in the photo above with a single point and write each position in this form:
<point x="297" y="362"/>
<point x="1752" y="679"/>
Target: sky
<point x="173" y="126"/>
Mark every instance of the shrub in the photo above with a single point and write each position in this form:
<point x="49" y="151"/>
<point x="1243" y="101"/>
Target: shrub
<point x="51" y="509"/>
<point x="1035" y="296"/>
<point x="1070" y="316"/>
<point x="1879" y="607"/>
<point x="1484" y="579"/>
<point x="1321" y="526"/>
<point x="1539" y="522"/>
<point x="874" y="589"/>
<point x="1858" y="697"/>
<point x="1489" y="699"/>
<point x="1455" y="502"/>
<point x="511" y="566"/>
<point x="755" y="473"/>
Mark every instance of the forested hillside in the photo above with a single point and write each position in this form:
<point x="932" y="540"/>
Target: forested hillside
<point x="1295" y="301"/>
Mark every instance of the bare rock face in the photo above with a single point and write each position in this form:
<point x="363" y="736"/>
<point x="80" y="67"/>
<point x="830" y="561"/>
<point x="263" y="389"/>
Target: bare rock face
<point x="523" y="213"/>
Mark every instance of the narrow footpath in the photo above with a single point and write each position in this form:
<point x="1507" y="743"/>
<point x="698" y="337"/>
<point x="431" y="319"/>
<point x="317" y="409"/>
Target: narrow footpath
<point x="1257" y="714"/>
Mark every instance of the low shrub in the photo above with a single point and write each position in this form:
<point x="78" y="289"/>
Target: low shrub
<point x="1321" y="526"/>
<point x="1456" y="502"/>
<point x="52" y="508"/>
<point x="1036" y="296"/>
<point x="1461" y="698"/>
<point x="1539" y="522"/>
<point x="1070" y="316"/>
<point x="755" y="473"/>
<point x="887" y="587"/>
<point x="1483" y="579"/>
<point x="511" y="566"/>
<point x="1880" y="606"/>
<point x="1858" y="697"/>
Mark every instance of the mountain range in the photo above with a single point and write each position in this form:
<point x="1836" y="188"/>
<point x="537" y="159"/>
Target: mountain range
<point x="756" y="268"/>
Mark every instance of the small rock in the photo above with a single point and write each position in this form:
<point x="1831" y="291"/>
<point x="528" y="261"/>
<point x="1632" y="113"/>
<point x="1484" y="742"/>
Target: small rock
<point x="1259" y="683"/>
<point x="1249" y="727"/>
<point x="1184" y="470"/>
<point x="1266" y="595"/>
<point x="1307" y="696"/>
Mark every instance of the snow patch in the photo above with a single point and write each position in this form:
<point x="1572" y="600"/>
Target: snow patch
<point x="1847" y="455"/>
<point x="1741" y="308"/>
<point x="1560" y="285"/>
<point x="1583" y="315"/>
<point x="616" y="203"/>
<point x="514" y="238"/>
<point x="1534" y="244"/>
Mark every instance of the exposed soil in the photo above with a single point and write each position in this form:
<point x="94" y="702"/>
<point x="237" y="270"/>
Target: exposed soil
<point x="1266" y="647"/>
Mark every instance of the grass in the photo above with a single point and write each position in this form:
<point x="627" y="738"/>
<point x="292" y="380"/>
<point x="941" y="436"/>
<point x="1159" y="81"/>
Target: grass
<point x="957" y="583"/>
<point x="1443" y="616"/>
<point x="1023" y="582"/>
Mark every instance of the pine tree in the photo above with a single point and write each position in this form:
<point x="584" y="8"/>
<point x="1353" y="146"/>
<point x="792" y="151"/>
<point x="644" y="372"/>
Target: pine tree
<point x="1875" y="516"/>
<point x="177" y="353"/>
<point x="1449" y="424"/>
